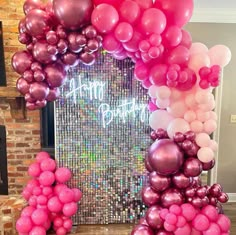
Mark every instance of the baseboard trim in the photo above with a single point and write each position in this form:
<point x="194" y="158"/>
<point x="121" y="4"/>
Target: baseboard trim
<point x="232" y="197"/>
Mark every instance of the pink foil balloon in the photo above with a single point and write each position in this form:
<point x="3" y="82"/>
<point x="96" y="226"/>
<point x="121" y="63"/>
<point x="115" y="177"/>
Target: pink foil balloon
<point x="22" y="86"/>
<point x="153" y="217"/>
<point x="192" y="167"/>
<point x="159" y="182"/>
<point x="181" y="181"/>
<point x="170" y="197"/>
<point x="39" y="90"/>
<point x="165" y="157"/>
<point x="142" y="230"/>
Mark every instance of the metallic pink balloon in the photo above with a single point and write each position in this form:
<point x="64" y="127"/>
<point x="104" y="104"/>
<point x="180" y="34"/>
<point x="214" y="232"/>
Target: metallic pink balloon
<point x="90" y="32"/>
<point x="41" y="103"/>
<point x="142" y="230"/>
<point x="39" y="75"/>
<point x="223" y="198"/>
<point x="143" y="221"/>
<point x="149" y="196"/>
<point x="153" y="217"/>
<point x="147" y="165"/>
<point x="41" y="54"/>
<point x="70" y="58"/>
<point x="55" y="75"/>
<point x="32" y="4"/>
<point x="190" y="192"/>
<point x="196" y="182"/>
<point x="206" y="166"/>
<point x="28" y="75"/>
<point x="165" y="157"/>
<point x="37" y="23"/>
<point x="201" y="192"/>
<point x="39" y="90"/>
<point x="73" y="14"/>
<point x="87" y="59"/>
<point x="164" y="232"/>
<point x="197" y="202"/>
<point x="31" y="106"/>
<point x="22" y="86"/>
<point x="170" y="197"/>
<point x="74" y="45"/>
<point x="181" y="181"/>
<point x="29" y="98"/>
<point x="53" y="94"/>
<point x="21" y="61"/>
<point x="159" y="182"/>
<point x="192" y="167"/>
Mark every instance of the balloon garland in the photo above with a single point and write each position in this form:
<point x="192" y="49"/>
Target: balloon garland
<point x="179" y="76"/>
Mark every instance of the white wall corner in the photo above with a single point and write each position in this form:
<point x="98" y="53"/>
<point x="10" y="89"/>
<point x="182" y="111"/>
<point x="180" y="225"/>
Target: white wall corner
<point x="214" y="15"/>
<point x="232" y="197"/>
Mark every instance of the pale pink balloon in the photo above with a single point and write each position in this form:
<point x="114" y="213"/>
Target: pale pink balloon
<point x="177" y="109"/>
<point x="210" y="126"/>
<point x="198" y="61"/>
<point x="203" y="140"/>
<point x="152" y="91"/>
<point x="213" y="145"/>
<point x="213" y="115"/>
<point x="175" y="94"/>
<point x="163" y="92"/>
<point x="177" y="125"/>
<point x="190" y="101"/>
<point x="205" y="154"/>
<point x="203" y="96"/>
<point x="220" y="55"/>
<point x="160" y="119"/>
<point x="208" y="106"/>
<point x="202" y="116"/>
<point x="198" y="47"/>
<point x="196" y="126"/>
<point x="162" y="104"/>
<point x="190" y="116"/>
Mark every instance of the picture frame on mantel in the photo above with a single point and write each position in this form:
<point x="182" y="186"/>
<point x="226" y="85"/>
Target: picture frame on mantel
<point x="2" y="59"/>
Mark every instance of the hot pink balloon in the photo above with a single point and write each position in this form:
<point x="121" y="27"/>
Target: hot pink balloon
<point x="153" y="21"/>
<point x="214" y="229"/>
<point x="186" y="39"/>
<point x="39" y="216"/>
<point x="124" y="32"/>
<point x="62" y="174"/>
<point x="129" y="11"/>
<point x="224" y="223"/>
<point x="179" y="55"/>
<point x="165" y="157"/>
<point x="46" y="178"/>
<point x="158" y="74"/>
<point x="104" y="18"/>
<point x="172" y="36"/>
<point x="66" y="195"/>
<point x="73" y="14"/>
<point x="24" y="224"/>
<point x="21" y="61"/>
<point x="177" y="13"/>
<point x="54" y="204"/>
<point x="34" y="169"/>
<point x="70" y="209"/>
<point x="38" y="230"/>
<point x="48" y="165"/>
<point x="37" y="23"/>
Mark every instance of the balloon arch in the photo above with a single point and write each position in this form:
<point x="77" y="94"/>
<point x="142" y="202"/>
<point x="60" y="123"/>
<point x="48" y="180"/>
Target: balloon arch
<point x="179" y="77"/>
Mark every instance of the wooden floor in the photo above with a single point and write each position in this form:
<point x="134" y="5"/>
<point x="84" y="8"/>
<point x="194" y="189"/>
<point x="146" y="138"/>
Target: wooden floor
<point x="229" y="209"/>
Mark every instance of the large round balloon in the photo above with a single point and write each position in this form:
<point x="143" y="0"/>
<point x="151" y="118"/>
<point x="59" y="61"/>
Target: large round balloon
<point x="165" y="157"/>
<point x="177" y="12"/>
<point x="73" y="14"/>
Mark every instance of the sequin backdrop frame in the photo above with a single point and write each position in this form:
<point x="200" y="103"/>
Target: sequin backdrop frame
<point x="118" y="179"/>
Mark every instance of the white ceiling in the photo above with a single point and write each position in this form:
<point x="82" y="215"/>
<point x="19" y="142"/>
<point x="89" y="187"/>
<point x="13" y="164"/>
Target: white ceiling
<point x="216" y="11"/>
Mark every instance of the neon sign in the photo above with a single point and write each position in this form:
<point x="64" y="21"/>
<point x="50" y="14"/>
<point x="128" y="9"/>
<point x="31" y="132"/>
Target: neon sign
<point x="95" y="91"/>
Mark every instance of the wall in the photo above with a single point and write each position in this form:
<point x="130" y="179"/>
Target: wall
<point x="212" y="34"/>
<point x="23" y="136"/>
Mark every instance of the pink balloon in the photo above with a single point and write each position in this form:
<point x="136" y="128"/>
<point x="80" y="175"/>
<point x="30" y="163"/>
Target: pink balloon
<point x="39" y="216"/>
<point x="177" y="109"/>
<point x="22" y="86"/>
<point x="177" y="13"/>
<point x="62" y="174"/>
<point x="142" y="230"/>
<point x="177" y="125"/>
<point x="172" y="36"/>
<point x="153" y="217"/>
<point x="179" y="55"/>
<point x="185" y="230"/>
<point x="24" y="224"/>
<point x="153" y="21"/>
<point x="21" y="61"/>
<point x="55" y="74"/>
<point x="54" y="204"/>
<point x="159" y="182"/>
<point x="220" y="55"/>
<point x="158" y="74"/>
<point x="205" y="154"/>
<point x="66" y="195"/>
<point x="104" y="18"/>
<point x="77" y="194"/>
<point x="224" y="223"/>
<point x="68" y="224"/>
<point x="48" y="165"/>
<point x="110" y="43"/>
<point x="198" y="48"/>
<point x="115" y="3"/>
<point x="186" y="39"/>
<point x="212" y="230"/>
<point x="133" y="44"/>
<point x="144" y="4"/>
<point x="40" y="53"/>
<point x="165" y="157"/>
<point x="190" y="116"/>
<point x="129" y="11"/>
<point x="210" y="126"/>
<point x="171" y="197"/>
<point x="196" y="126"/>
<point x="27" y="211"/>
<point x="34" y="169"/>
<point x="124" y="32"/>
<point x="37" y="23"/>
<point x="70" y="209"/>
<point x="160" y="119"/>
<point x="188" y="211"/>
<point x="197" y="61"/>
<point x="203" y="140"/>
<point x="46" y="178"/>
<point x="38" y="230"/>
<point x="211" y="212"/>
<point x="39" y="90"/>
<point x="73" y="14"/>
<point x="149" y="196"/>
<point x="41" y="156"/>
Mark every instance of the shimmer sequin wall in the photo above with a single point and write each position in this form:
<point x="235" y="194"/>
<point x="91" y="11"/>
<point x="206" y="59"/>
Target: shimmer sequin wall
<point x="102" y="135"/>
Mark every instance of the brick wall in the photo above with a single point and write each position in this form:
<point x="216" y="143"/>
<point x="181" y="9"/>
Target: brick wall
<point x="23" y="136"/>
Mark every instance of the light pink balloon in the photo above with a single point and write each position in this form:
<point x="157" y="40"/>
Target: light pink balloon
<point x="203" y="140"/>
<point x="213" y="115"/>
<point x="220" y="55"/>
<point x="162" y="104"/>
<point x="163" y="92"/>
<point x="205" y="154"/>
<point x="198" y="61"/>
<point x="177" y="125"/>
<point x="177" y="109"/>
<point x="152" y="91"/>
<point x="210" y="126"/>
<point x="196" y="126"/>
<point x="160" y="119"/>
<point x="190" y="101"/>
<point x="202" y="116"/>
<point x="198" y="47"/>
<point x="213" y="145"/>
<point x="203" y="96"/>
<point x="190" y="116"/>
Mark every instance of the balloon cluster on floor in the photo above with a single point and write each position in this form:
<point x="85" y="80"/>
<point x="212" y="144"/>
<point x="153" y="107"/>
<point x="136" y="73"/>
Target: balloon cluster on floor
<point x="50" y="201"/>
<point x="179" y="75"/>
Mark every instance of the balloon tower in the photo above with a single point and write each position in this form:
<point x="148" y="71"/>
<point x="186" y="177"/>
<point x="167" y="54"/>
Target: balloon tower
<point x="179" y="75"/>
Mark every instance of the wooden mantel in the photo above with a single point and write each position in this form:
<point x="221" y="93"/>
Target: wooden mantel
<point x="15" y="100"/>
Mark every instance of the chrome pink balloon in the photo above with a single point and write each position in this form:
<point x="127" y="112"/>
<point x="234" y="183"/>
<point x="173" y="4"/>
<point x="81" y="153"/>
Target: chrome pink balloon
<point x="149" y="196"/>
<point x="39" y="90"/>
<point x="153" y="217"/>
<point x="171" y="196"/>
<point x="142" y="230"/>
<point x="192" y="167"/>
<point x="22" y="86"/>
<point x="165" y="157"/>
<point x="159" y="182"/>
<point x="53" y="94"/>
<point x="73" y="14"/>
<point x="181" y="181"/>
